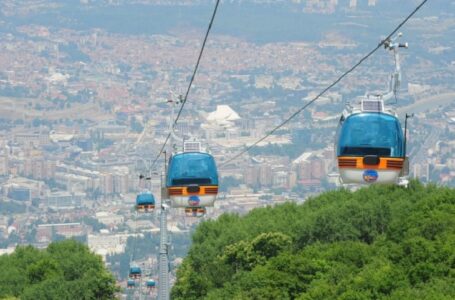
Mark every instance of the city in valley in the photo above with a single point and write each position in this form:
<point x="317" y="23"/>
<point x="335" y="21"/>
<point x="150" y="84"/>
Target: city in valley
<point x="85" y="91"/>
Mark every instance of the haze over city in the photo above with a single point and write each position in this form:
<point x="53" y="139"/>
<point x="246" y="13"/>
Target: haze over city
<point x="84" y="90"/>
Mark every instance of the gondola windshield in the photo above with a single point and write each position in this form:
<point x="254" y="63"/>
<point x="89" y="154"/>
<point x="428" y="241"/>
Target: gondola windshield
<point x="371" y="134"/>
<point x="192" y="168"/>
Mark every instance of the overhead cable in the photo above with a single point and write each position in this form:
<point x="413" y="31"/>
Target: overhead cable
<point x="196" y="67"/>
<point x="327" y="88"/>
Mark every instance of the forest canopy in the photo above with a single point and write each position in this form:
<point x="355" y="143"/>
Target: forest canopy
<point x="65" y="270"/>
<point x="380" y="242"/>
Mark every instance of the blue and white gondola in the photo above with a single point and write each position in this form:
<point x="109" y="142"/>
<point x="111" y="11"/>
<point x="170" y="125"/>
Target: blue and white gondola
<point x="370" y="145"/>
<point x="192" y="181"/>
<point x="145" y="202"/>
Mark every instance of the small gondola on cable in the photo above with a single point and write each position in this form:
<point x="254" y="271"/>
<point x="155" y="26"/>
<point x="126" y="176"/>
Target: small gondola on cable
<point x="131" y="283"/>
<point x="135" y="272"/>
<point x="192" y="179"/>
<point x="150" y="284"/>
<point x="370" y="143"/>
<point x="145" y="202"/>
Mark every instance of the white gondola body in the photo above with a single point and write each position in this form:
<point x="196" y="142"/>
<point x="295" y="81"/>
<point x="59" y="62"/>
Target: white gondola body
<point x="356" y="176"/>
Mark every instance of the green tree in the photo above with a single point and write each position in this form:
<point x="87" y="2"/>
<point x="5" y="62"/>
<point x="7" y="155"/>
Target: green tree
<point x="380" y="242"/>
<point x="65" y="270"/>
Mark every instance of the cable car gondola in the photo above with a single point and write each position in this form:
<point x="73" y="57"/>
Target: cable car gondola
<point x="145" y="202"/>
<point x="131" y="284"/>
<point x="192" y="181"/>
<point x="135" y="272"/>
<point x="370" y="145"/>
<point x="151" y="284"/>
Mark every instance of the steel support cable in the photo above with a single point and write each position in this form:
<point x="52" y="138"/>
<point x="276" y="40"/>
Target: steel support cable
<point x="133" y="254"/>
<point x="327" y="88"/>
<point x="196" y="67"/>
<point x="198" y="61"/>
<point x="160" y="152"/>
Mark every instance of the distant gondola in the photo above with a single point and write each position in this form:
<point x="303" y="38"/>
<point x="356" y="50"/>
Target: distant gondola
<point x="135" y="272"/>
<point x="145" y="202"/>
<point x="150" y="284"/>
<point x="130" y="283"/>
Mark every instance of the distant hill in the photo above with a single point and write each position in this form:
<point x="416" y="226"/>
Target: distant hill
<point x="65" y="270"/>
<point x="381" y="242"/>
<point x="256" y="21"/>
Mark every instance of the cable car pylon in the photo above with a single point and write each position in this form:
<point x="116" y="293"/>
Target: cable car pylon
<point x="190" y="181"/>
<point x="163" y="283"/>
<point x="163" y="255"/>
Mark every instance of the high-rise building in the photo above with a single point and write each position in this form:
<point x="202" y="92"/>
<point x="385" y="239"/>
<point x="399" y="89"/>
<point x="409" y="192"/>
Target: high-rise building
<point x="120" y="183"/>
<point x="250" y="176"/>
<point x="280" y="179"/>
<point x="107" y="184"/>
<point x="292" y="179"/>
<point x="265" y="175"/>
<point x="38" y="169"/>
<point x="4" y="170"/>
<point x="371" y="2"/>
<point x="304" y="170"/>
<point x="317" y="169"/>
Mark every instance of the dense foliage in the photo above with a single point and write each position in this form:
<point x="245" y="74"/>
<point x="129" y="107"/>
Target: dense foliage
<point x="65" y="270"/>
<point x="381" y="242"/>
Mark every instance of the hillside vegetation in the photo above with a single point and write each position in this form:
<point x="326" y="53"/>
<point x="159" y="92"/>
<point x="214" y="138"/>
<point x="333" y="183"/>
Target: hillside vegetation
<point x="381" y="242"/>
<point x="65" y="270"/>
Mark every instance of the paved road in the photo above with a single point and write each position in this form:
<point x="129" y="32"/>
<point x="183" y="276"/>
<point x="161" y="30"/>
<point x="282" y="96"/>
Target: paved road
<point x="429" y="103"/>
<point x="420" y="154"/>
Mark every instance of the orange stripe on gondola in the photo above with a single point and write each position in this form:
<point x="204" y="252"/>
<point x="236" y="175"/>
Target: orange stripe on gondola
<point x="394" y="164"/>
<point x="347" y="162"/>
<point x="211" y="190"/>
<point x="183" y="191"/>
<point x="385" y="163"/>
<point x="175" y="191"/>
<point x="145" y="206"/>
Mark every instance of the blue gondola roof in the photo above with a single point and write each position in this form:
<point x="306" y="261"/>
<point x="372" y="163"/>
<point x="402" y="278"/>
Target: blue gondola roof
<point x="151" y="283"/>
<point x="371" y="134"/>
<point x="192" y="168"/>
<point x="131" y="282"/>
<point x="135" y="270"/>
<point x="145" y="198"/>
